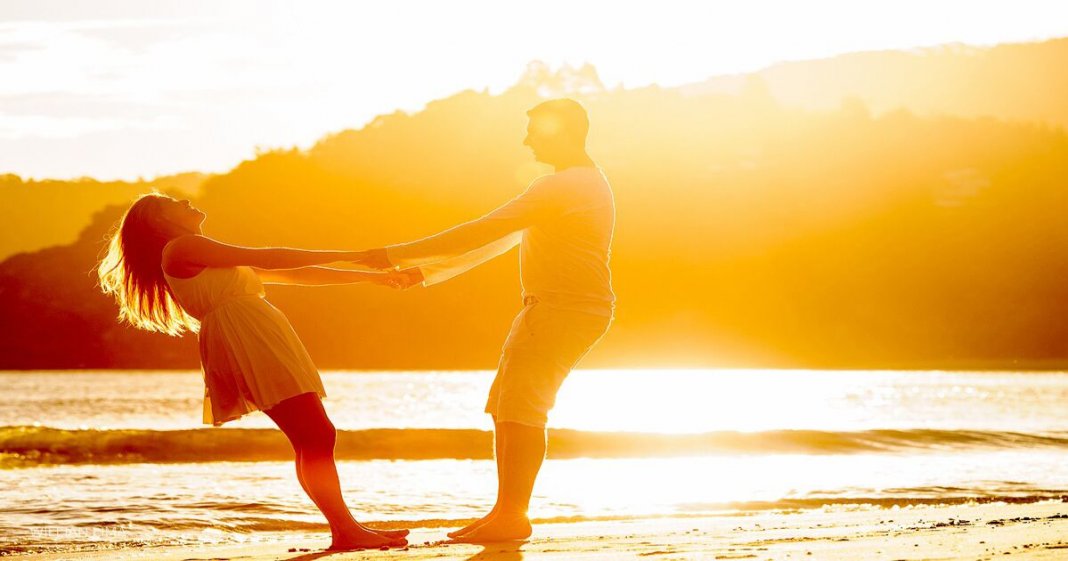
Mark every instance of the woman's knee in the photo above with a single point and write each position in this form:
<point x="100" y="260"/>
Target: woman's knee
<point x="329" y="435"/>
<point x="305" y="422"/>
<point x="319" y="438"/>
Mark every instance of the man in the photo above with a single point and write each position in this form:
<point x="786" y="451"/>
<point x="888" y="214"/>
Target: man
<point x="563" y="224"/>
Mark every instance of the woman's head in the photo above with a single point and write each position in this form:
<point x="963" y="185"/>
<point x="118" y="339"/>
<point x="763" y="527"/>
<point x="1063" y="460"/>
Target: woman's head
<point x="132" y="270"/>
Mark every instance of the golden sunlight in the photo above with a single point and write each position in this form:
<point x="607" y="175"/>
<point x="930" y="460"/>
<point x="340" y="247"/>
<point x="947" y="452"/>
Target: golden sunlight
<point x="473" y="280"/>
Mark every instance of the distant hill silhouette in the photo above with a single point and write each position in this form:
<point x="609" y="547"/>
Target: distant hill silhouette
<point x="1019" y="82"/>
<point x="750" y="233"/>
<point x="1015" y="82"/>
<point x="37" y="214"/>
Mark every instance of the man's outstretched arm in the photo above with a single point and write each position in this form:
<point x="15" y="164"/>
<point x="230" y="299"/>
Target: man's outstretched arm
<point x="469" y="240"/>
<point x="442" y="271"/>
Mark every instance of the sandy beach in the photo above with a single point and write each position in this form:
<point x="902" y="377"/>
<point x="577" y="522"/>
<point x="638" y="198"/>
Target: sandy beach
<point x="966" y="532"/>
<point x="676" y="280"/>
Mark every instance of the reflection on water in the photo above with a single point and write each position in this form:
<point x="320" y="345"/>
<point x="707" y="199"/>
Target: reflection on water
<point x="958" y="437"/>
<point x="174" y="503"/>
<point x="604" y="400"/>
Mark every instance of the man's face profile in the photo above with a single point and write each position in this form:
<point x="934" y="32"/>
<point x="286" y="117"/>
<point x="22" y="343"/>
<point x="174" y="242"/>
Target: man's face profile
<point x="544" y="133"/>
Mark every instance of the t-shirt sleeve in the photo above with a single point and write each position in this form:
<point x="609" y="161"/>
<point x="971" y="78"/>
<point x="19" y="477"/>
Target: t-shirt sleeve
<point x="442" y="271"/>
<point x="538" y="203"/>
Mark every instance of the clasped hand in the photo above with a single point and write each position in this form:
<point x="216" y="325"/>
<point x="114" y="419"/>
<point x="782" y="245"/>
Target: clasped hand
<point x="379" y="259"/>
<point x="403" y="279"/>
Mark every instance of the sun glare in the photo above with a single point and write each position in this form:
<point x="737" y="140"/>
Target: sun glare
<point x="727" y="400"/>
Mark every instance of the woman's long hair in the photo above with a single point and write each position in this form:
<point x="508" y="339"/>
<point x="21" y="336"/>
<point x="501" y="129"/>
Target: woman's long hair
<point x="132" y="271"/>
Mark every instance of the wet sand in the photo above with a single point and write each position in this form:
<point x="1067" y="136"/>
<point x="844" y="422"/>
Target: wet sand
<point x="965" y="532"/>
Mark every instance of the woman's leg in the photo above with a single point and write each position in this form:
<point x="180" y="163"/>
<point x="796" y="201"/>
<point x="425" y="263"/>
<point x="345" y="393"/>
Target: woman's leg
<point x="388" y="533"/>
<point x="304" y="421"/>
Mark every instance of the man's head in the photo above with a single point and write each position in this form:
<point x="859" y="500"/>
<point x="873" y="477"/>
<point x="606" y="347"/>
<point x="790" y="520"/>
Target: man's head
<point x="557" y="130"/>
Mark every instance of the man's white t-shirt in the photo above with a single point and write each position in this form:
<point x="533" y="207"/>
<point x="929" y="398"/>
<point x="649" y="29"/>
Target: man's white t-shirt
<point x="563" y="224"/>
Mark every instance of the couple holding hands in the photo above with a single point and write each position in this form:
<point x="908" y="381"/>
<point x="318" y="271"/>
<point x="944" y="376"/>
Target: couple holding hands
<point x="166" y="276"/>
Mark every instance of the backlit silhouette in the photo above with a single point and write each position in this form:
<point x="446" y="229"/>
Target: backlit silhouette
<point x="168" y="277"/>
<point x="563" y="225"/>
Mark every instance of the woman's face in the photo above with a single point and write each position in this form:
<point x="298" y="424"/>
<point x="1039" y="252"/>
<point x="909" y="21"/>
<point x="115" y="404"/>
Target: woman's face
<point x="182" y="213"/>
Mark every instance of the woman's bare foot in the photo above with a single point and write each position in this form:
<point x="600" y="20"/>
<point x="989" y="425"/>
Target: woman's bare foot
<point x="403" y="533"/>
<point x="388" y="533"/>
<point x="472" y="526"/>
<point x="500" y="528"/>
<point x="362" y="538"/>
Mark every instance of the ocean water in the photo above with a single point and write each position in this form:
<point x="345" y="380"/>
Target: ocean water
<point x="120" y="459"/>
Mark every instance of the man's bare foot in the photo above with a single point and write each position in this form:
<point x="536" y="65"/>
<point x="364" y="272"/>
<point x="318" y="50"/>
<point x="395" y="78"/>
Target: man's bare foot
<point x="362" y="538"/>
<point x="500" y="528"/>
<point x="472" y="526"/>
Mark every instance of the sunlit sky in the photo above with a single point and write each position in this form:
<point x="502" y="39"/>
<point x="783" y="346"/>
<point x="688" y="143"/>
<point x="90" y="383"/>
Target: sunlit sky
<point x="128" y="88"/>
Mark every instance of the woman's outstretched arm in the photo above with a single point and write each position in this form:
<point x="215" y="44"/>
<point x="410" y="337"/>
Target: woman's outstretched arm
<point x="199" y="252"/>
<point x="326" y="276"/>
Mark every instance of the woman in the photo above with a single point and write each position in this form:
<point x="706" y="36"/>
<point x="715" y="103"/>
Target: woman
<point x="168" y="277"/>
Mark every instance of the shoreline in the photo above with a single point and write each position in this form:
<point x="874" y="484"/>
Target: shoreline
<point x="967" y="367"/>
<point x="944" y="532"/>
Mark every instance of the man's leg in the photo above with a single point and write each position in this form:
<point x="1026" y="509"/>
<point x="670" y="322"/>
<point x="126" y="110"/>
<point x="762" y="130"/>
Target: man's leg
<point x="498" y="454"/>
<point x="519" y="459"/>
<point x="517" y="333"/>
<point x="531" y="371"/>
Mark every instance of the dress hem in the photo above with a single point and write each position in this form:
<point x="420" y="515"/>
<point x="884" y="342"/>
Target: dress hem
<point x="216" y="423"/>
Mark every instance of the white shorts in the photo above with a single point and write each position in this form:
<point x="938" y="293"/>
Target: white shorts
<point x="543" y="346"/>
